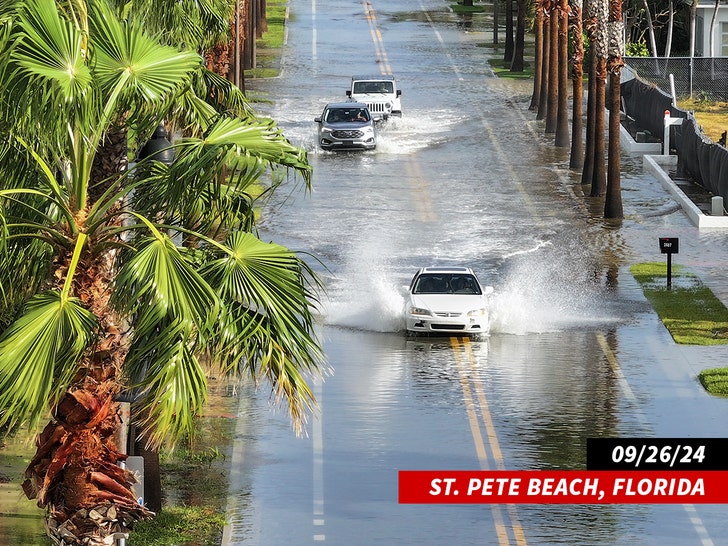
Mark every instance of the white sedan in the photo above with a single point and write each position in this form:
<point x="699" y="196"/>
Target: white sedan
<point x="447" y="300"/>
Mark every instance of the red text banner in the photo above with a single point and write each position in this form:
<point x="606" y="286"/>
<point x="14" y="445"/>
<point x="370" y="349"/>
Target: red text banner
<point x="562" y="487"/>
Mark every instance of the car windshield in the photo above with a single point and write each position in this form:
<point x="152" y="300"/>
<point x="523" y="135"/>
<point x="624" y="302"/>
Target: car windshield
<point x="373" y="87"/>
<point x="334" y="115"/>
<point x="446" y="283"/>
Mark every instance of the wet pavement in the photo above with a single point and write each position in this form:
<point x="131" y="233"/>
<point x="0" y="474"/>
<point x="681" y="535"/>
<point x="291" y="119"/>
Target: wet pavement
<point x="465" y="177"/>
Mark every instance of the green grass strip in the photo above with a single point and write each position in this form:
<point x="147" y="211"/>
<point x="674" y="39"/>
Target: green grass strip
<point x="715" y="381"/>
<point x="502" y="69"/>
<point x="689" y="310"/>
<point x="177" y="525"/>
<point x="458" y="8"/>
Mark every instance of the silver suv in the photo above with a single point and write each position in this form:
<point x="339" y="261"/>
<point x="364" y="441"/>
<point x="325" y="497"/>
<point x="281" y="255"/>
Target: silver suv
<point x="379" y="93"/>
<point x="346" y="126"/>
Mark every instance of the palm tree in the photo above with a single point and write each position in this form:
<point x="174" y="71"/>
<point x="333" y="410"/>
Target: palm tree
<point x="518" y="63"/>
<point x="613" y="201"/>
<point x="576" y="159"/>
<point x="599" y="12"/>
<point x="543" y="103"/>
<point x="561" y="138"/>
<point x="552" y="100"/>
<point x="129" y="285"/>
<point x="538" y="54"/>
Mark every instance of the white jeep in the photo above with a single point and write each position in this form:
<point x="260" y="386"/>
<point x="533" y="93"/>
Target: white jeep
<point x="379" y="93"/>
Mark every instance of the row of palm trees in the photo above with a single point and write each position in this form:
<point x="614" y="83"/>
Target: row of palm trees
<point x="602" y="22"/>
<point x="134" y="277"/>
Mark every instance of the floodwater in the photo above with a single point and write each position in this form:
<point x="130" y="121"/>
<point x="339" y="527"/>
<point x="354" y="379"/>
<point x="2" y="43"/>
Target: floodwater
<point x="465" y="177"/>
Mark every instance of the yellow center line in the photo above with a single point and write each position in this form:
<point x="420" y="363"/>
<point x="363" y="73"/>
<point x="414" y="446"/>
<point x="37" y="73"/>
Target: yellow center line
<point x="382" y="59"/>
<point x="500" y="526"/>
<point x="460" y="347"/>
<point x="493" y="441"/>
<point x="423" y="202"/>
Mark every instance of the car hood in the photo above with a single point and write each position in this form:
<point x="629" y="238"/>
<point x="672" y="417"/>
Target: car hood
<point x="349" y="124"/>
<point x="449" y="303"/>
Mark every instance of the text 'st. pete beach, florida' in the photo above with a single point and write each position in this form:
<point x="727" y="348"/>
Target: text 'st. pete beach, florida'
<point x="562" y="487"/>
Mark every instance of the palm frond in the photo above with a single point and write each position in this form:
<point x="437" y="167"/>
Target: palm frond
<point x="171" y="383"/>
<point x="156" y="282"/>
<point x="40" y="352"/>
<point x="215" y="172"/>
<point x="128" y="59"/>
<point x="268" y="324"/>
<point x="261" y="139"/>
<point x="192" y="24"/>
<point x="24" y="267"/>
<point x="51" y="51"/>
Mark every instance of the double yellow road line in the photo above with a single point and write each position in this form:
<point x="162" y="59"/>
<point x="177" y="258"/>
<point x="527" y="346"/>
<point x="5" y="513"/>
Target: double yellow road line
<point x="507" y="525"/>
<point x="382" y="59"/>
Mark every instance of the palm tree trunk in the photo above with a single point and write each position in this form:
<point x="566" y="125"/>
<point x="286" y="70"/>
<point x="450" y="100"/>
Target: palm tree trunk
<point x="545" y="60"/>
<point x="561" y="139"/>
<point x="591" y="28"/>
<point x="553" y="88"/>
<point x="599" y="175"/>
<point x="538" y="56"/>
<point x="508" y="50"/>
<point x="262" y="17"/>
<point x="110" y="161"/>
<point x="576" y="160"/>
<point x="496" y="20"/>
<point x="517" y="65"/>
<point x="613" y="202"/>
<point x="75" y="465"/>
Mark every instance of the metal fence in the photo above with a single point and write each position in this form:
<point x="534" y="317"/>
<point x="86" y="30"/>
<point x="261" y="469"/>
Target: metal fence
<point x="695" y="77"/>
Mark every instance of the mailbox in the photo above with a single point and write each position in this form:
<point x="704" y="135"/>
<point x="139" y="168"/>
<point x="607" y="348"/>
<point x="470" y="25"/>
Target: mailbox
<point x="668" y="245"/>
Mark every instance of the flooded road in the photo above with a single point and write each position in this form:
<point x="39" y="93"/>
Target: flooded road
<point x="466" y="177"/>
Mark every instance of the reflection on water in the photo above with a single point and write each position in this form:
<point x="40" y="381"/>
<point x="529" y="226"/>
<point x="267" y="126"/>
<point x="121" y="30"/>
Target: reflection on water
<point x="21" y="522"/>
<point x="22" y="530"/>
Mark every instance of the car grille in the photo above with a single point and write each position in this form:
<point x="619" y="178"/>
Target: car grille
<point x="447" y="314"/>
<point x="347" y="135"/>
<point x="377" y="107"/>
<point x="447" y="326"/>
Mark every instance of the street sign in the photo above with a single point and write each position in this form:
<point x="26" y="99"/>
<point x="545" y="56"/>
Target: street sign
<point x="669" y="245"/>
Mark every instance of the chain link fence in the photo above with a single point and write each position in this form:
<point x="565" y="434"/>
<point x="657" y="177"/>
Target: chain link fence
<point x="704" y="78"/>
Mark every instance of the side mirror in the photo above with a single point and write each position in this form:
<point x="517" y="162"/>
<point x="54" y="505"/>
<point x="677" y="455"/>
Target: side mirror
<point x="317" y="119"/>
<point x="348" y="92"/>
<point x="399" y="92"/>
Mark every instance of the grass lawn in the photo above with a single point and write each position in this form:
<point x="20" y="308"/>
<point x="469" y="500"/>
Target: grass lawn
<point x="690" y="311"/>
<point x="712" y="116"/>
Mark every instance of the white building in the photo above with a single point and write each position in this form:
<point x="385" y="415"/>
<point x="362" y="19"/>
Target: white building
<point x="704" y="16"/>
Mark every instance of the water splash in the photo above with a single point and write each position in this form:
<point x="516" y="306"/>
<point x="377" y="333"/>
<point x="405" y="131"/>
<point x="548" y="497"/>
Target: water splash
<point x="551" y="288"/>
<point x="548" y="287"/>
<point x="364" y="295"/>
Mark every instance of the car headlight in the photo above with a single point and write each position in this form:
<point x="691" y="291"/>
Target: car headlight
<point x="482" y="312"/>
<point x="419" y="311"/>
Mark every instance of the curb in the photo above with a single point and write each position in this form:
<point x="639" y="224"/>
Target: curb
<point x="658" y="165"/>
